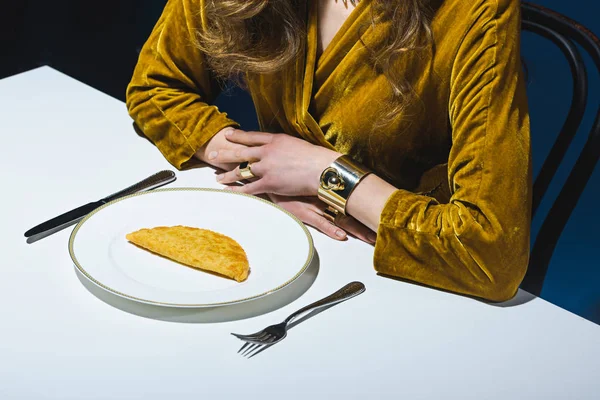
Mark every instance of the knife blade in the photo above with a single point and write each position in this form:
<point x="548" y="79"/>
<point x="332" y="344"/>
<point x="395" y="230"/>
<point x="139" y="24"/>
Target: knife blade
<point x="73" y="216"/>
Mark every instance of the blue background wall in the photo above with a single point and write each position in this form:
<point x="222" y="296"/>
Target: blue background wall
<point x="84" y="45"/>
<point x="573" y="280"/>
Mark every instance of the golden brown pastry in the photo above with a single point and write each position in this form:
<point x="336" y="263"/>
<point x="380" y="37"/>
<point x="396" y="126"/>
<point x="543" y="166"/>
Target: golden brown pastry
<point x="198" y="248"/>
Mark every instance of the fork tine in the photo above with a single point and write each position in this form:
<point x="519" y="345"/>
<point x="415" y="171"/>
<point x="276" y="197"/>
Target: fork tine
<point x="244" y="346"/>
<point x="271" y="338"/>
<point x="247" y="337"/>
<point x="258" y="350"/>
<point x="255" y="337"/>
<point x="252" y="347"/>
<point x="262" y="336"/>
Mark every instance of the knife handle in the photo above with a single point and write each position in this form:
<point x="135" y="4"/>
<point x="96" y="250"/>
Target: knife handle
<point x="152" y="182"/>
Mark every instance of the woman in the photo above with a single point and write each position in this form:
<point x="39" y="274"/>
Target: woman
<point x="428" y="96"/>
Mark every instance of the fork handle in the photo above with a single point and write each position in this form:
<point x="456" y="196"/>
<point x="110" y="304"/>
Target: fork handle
<point x="347" y="292"/>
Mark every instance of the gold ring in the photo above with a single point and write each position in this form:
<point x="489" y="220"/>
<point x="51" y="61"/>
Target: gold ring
<point x="246" y="170"/>
<point x="332" y="215"/>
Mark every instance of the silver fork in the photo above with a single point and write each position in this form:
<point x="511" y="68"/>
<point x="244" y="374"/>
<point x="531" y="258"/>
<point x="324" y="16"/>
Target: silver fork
<point x="275" y="333"/>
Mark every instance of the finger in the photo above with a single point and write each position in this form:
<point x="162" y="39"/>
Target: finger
<point x="356" y="229"/>
<point x="254" y="188"/>
<point x="230" y="176"/>
<point x="321" y="223"/>
<point x="236" y="156"/>
<point x="235" y="176"/>
<point x="249" y="138"/>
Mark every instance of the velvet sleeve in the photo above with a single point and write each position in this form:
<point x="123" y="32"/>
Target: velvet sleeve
<point x="171" y="88"/>
<point x="478" y="243"/>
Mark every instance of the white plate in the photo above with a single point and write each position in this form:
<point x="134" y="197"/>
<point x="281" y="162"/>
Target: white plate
<point x="278" y="246"/>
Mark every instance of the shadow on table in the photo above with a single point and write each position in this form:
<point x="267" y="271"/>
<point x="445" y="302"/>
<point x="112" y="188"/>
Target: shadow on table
<point x="254" y="351"/>
<point x="40" y="236"/>
<point x="227" y="313"/>
<point x="521" y="297"/>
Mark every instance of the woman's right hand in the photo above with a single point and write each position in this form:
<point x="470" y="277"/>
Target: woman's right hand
<point x="310" y="211"/>
<point x="216" y="144"/>
<point x="307" y="209"/>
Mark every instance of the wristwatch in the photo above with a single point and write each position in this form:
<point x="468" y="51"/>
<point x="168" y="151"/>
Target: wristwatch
<point x="337" y="183"/>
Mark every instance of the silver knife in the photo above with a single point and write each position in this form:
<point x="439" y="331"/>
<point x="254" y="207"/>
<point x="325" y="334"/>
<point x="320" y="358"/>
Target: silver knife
<point x="71" y="217"/>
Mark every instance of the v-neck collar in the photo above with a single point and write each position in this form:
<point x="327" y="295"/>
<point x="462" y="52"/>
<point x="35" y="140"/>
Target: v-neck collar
<point x="308" y="66"/>
<point x="345" y="35"/>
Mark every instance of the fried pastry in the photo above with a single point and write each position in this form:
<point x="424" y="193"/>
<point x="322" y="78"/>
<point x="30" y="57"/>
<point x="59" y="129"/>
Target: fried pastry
<point x="195" y="247"/>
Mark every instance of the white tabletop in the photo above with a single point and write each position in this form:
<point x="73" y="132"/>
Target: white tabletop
<point x="65" y="144"/>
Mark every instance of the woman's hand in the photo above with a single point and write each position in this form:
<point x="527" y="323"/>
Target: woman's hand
<point x="218" y="143"/>
<point x="310" y="211"/>
<point x="282" y="164"/>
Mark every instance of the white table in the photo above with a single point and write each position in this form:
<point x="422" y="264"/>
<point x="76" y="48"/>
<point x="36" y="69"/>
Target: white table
<point x="65" y="144"/>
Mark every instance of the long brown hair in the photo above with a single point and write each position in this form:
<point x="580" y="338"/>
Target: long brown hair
<point x="263" y="36"/>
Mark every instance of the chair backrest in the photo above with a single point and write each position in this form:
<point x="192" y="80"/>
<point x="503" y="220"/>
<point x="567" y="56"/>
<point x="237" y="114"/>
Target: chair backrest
<point x="563" y="32"/>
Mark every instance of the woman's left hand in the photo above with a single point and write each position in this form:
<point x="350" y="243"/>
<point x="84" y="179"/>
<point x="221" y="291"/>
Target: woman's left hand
<point x="282" y="164"/>
<point x="310" y="211"/>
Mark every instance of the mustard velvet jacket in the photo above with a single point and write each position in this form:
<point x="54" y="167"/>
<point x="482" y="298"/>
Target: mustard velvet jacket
<point x="460" y="156"/>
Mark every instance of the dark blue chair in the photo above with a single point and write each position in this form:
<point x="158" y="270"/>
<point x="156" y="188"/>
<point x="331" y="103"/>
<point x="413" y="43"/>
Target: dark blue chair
<point x="564" y="33"/>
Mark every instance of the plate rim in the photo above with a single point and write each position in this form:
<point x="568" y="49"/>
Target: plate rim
<point x="73" y="235"/>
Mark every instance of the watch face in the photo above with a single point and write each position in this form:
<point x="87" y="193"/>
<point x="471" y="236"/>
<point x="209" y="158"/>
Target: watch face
<point x="331" y="180"/>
